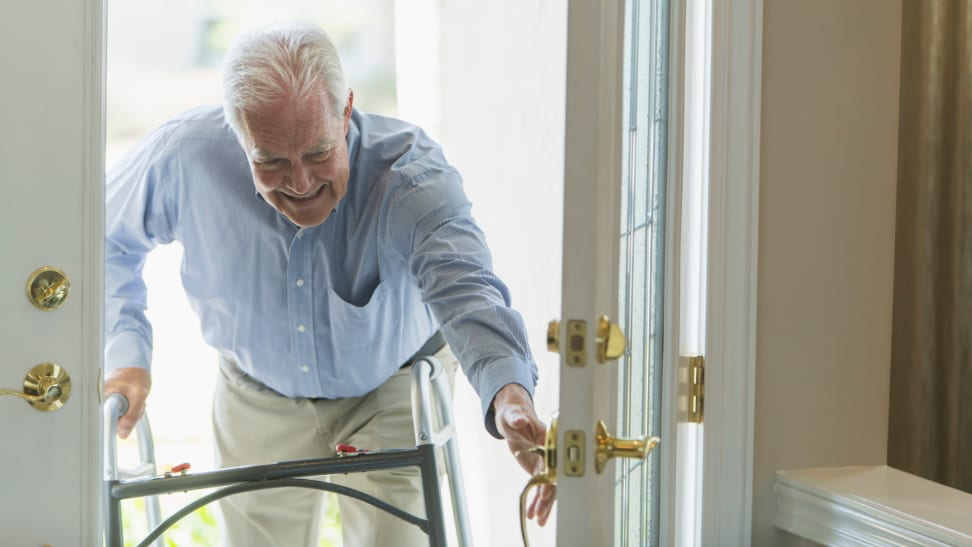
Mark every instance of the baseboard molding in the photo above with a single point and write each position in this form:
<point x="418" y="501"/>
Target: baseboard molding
<point x="871" y="506"/>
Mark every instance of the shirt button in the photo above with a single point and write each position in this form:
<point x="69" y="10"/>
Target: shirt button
<point x="300" y="235"/>
<point x="301" y="328"/>
<point x="300" y="282"/>
<point x="305" y="368"/>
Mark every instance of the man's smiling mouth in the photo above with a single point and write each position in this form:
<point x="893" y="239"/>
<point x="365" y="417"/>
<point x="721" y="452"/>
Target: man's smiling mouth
<point x="306" y="196"/>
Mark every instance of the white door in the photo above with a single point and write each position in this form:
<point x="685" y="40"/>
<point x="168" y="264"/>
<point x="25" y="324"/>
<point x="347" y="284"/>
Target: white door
<point x="51" y="173"/>
<point x="660" y="198"/>
<point x="614" y="217"/>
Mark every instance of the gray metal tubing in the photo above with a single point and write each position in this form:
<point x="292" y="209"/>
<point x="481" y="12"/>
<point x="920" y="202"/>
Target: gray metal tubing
<point x="426" y="370"/>
<point x="432" y="496"/>
<point x="146" y="453"/>
<point x="422" y="371"/>
<point x="389" y="459"/>
<point x="116" y="405"/>
<point x="424" y="524"/>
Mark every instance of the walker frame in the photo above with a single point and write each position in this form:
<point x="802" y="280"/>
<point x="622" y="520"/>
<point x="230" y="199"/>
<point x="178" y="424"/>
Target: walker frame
<point x="143" y="481"/>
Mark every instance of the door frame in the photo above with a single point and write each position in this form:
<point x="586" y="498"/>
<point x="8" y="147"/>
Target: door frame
<point x="732" y="154"/>
<point x="93" y="260"/>
<point x="737" y="48"/>
<point x="731" y="147"/>
<point x="736" y="34"/>
<point x="592" y="169"/>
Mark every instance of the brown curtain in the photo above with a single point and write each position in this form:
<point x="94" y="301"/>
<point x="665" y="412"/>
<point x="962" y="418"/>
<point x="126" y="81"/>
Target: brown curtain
<point x="931" y="367"/>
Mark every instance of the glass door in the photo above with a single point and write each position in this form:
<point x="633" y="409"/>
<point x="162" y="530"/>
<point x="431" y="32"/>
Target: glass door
<point x="612" y="333"/>
<point x="641" y="284"/>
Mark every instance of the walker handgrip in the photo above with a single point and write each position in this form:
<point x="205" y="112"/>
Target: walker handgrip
<point x="117" y="405"/>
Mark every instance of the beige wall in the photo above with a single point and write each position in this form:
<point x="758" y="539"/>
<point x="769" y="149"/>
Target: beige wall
<point x="827" y="200"/>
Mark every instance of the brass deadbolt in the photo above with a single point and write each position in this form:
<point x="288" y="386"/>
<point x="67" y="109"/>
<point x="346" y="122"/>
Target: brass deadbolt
<point x="610" y="340"/>
<point x="48" y="288"/>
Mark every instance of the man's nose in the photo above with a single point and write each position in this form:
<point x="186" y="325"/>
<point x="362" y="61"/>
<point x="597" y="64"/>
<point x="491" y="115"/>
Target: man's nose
<point x="300" y="179"/>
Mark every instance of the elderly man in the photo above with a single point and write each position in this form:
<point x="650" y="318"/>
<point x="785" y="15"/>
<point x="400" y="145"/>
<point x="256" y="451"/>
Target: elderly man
<point x="324" y="248"/>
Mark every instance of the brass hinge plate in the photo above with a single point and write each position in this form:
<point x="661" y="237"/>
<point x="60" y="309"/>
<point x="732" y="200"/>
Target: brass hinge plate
<point x="691" y="384"/>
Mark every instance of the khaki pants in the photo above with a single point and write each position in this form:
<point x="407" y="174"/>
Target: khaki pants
<point x="255" y="425"/>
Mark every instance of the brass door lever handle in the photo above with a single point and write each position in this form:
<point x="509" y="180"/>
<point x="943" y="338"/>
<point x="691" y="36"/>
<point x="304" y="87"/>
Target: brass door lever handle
<point x="610" y="447"/>
<point x="549" y="454"/>
<point x="52" y="393"/>
<point x="46" y="387"/>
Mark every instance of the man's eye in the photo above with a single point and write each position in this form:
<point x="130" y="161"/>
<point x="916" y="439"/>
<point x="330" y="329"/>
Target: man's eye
<point x="267" y="163"/>
<point x="317" y="156"/>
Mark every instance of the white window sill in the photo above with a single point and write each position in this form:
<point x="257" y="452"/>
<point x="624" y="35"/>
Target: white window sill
<point x="871" y="505"/>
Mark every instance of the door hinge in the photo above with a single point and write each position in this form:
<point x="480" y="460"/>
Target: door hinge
<point x="691" y="388"/>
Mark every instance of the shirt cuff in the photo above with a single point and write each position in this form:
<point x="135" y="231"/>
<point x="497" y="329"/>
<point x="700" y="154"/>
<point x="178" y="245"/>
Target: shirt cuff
<point x="496" y="375"/>
<point x="127" y="349"/>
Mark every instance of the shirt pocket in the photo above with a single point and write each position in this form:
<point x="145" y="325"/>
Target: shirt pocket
<point x="363" y="332"/>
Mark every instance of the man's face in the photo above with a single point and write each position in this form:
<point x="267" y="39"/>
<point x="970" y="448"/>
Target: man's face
<point x="298" y="155"/>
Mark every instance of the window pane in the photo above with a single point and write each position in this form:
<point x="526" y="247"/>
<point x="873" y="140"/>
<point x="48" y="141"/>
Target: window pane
<point x="642" y="236"/>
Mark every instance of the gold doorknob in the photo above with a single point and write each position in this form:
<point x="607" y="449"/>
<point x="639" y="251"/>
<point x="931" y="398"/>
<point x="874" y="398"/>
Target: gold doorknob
<point x="609" y="447"/>
<point x="610" y="340"/>
<point x="48" y="288"/>
<point x="549" y="454"/>
<point x="46" y="387"/>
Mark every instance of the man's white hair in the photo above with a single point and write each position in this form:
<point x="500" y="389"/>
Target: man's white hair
<point x="294" y="60"/>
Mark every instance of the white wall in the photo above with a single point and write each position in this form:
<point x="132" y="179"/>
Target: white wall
<point x="499" y="114"/>
<point x="827" y="201"/>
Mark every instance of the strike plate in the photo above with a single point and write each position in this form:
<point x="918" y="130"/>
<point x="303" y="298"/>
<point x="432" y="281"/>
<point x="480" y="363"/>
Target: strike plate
<point x="576" y="343"/>
<point x="574" y="453"/>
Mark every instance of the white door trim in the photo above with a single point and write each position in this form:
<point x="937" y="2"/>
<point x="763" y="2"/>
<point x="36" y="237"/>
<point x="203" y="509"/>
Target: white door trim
<point x="733" y="101"/>
<point x="736" y="57"/>
<point x="592" y="169"/>
<point x="92" y="258"/>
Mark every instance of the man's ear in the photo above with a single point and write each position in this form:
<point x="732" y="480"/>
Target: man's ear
<point x="347" y="111"/>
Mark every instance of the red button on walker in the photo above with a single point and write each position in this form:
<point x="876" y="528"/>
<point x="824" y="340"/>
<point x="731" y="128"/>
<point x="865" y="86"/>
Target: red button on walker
<point x="181" y="468"/>
<point x="348" y="449"/>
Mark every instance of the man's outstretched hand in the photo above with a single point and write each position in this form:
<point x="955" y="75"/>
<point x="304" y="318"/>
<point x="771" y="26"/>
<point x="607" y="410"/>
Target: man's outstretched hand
<point x="517" y="421"/>
<point x="134" y="383"/>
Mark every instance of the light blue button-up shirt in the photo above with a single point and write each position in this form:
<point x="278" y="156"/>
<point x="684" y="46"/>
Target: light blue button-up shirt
<point x="326" y="312"/>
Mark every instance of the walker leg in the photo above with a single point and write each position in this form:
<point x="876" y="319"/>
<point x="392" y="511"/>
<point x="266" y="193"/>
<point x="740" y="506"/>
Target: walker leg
<point x="113" y="526"/>
<point x="433" y="498"/>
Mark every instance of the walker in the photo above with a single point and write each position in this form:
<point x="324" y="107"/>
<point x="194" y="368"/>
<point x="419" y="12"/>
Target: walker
<point x="143" y="481"/>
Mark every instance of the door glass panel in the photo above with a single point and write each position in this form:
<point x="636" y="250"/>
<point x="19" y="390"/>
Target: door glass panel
<point x="645" y="126"/>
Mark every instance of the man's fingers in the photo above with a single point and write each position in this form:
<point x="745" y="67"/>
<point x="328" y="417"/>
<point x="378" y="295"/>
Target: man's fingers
<point x="518" y="423"/>
<point x="533" y="510"/>
<point x="128" y="420"/>
<point x="517" y="419"/>
<point x="542" y="504"/>
<point x="125" y="426"/>
<point x="134" y="383"/>
<point x="545" y="503"/>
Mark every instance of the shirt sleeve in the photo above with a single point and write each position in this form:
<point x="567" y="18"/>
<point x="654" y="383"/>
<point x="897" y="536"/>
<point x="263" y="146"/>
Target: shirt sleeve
<point x="138" y="217"/>
<point x="430" y="221"/>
